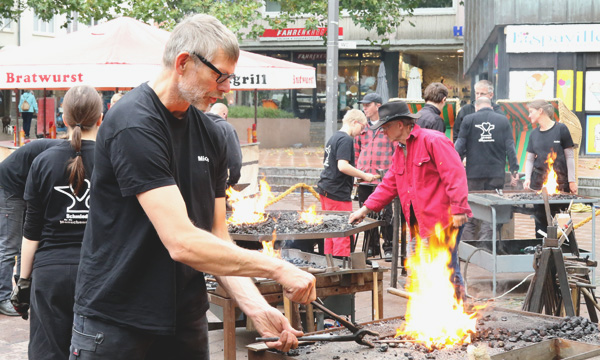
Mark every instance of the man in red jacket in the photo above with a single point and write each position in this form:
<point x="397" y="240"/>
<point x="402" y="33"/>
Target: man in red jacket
<point x="428" y="177"/>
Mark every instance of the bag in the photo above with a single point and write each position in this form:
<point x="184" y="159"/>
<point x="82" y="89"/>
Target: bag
<point x="25" y="105"/>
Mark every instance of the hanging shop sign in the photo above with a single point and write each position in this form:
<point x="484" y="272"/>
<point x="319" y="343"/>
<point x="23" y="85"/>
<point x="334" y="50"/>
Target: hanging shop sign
<point x="552" y="38"/>
<point x="296" y="34"/>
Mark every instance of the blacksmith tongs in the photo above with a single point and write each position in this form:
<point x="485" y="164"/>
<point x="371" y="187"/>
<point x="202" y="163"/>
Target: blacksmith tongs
<point x="358" y="334"/>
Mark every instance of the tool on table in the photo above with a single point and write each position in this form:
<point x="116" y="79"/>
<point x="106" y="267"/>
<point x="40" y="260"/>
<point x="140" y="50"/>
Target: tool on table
<point x="358" y="334"/>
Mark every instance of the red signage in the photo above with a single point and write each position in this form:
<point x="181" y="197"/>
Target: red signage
<point x="296" y="34"/>
<point x="310" y="56"/>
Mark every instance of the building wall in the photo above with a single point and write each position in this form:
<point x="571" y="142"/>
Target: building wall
<point x="483" y="16"/>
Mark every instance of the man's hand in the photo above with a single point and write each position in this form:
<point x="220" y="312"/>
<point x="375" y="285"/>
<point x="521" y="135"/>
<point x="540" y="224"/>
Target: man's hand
<point x="526" y="185"/>
<point x="573" y="187"/>
<point x="358" y="216"/>
<point x="298" y="285"/>
<point x="270" y="322"/>
<point x="20" y="297"/>
<point x="514" y="180"/>
<point x="459" y="219"/>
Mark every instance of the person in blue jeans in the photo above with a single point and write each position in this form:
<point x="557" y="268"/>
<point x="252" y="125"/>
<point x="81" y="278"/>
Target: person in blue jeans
<point x="27" y="107"/>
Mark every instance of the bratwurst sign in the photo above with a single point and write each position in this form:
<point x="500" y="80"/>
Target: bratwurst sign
<point x="59" y="76"/>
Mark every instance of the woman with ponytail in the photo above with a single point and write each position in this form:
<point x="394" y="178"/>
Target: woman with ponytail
<point x="57" y="195"/>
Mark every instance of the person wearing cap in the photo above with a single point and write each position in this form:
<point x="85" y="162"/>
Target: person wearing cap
<point x="428" y="177"/>
<point x="373" y="151"/>
<point x="435" y="98"/>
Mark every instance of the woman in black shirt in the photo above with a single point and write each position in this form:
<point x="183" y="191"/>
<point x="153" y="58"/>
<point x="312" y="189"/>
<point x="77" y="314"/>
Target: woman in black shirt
<point x="57" y="195"/>
<point x="554" y="139"/>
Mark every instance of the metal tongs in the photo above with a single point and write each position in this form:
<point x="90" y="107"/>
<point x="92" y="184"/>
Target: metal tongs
<point x="358" y="334"/>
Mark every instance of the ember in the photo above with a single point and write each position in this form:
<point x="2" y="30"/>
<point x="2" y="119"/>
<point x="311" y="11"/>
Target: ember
<point x="538" y="196"/>
<point x="310" y="216"/>
<point x="288" y="222"/>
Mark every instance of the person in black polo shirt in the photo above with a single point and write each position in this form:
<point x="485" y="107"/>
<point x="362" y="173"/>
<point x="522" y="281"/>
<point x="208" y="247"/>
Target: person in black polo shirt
<point x="550" y="137"/>
<point x="337" y="177"/>
<point x="157" y="220"/>
<point x="13" y="174"/>
<point x="58" y="200"/>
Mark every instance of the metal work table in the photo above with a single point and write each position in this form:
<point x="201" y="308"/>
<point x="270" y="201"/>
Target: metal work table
<point x="491" y="207"/>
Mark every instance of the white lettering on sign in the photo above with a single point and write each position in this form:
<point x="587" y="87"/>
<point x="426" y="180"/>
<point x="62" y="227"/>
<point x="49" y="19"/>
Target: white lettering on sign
<point x="553" y="38"/>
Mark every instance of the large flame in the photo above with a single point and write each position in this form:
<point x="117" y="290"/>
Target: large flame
<point x="269" y="247"/>
<point x="251" y="209"/>
<point x="434" y="315"/>
<point x="551" y="183"/>
<point x="310" y="216"/>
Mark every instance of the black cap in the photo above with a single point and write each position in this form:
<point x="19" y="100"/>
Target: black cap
<point x="394" y="110"/>
<point x="371" y="97"/>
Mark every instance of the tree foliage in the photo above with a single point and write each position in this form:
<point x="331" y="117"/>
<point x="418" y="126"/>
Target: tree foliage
<point x="241" y="16"/>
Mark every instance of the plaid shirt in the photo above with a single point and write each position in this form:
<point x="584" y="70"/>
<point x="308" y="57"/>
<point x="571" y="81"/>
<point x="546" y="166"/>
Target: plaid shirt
<point x="374" y="151"/>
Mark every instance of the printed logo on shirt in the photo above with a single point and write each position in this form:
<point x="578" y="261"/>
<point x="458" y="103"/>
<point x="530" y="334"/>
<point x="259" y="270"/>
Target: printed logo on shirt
<point x="486" y="128"/>
<point x="77" y="212"/>
<point x="203" y="158"/>
<point x="557" y="141"/>
<point x="327" y="151"/>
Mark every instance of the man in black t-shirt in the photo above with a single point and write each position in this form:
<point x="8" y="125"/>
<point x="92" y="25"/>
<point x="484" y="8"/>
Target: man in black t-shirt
<point x="435" y="95"/>
<point x="486" y="140"/>
<point x="13" y="174"/>
<point x="158" y="191"/>
<point x="337" y="177"/>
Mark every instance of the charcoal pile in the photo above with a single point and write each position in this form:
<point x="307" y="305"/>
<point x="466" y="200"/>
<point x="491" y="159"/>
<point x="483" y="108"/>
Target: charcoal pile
<point x="498" y="331"/>
<point x="536" y="196"/>
<point x="301" y="263"/>
<point x="288" y="222"/>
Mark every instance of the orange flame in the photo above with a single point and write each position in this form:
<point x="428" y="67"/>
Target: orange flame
<point x="251" y="209"/>
<point x="269" y="247"/>
<point x="551" y="183"/>
<point x="310" y="216"/>
<point x="434" y="316"/>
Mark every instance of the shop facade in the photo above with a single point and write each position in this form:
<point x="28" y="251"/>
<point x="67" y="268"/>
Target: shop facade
<point x="435" y="54"/>
<point x="558" y="57"/>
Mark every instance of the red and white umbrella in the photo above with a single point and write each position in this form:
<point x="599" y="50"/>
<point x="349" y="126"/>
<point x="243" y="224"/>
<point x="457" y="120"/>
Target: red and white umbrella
<point x="123" y="53"/>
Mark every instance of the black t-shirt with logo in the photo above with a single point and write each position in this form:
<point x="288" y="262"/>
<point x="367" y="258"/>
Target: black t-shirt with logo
<point x="126" y="275"/>
<point x="333" y="183"/>
<point x="55" y="216"/>
<point x="541" y="143"/>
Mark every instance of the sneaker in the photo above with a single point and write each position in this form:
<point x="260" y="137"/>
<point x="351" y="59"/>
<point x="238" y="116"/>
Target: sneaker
<point x="7" y="309"/>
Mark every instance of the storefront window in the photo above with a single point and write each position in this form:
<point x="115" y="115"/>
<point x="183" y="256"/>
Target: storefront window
<point x="435" y="4"/>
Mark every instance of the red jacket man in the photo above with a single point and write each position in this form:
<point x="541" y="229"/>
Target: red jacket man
<point x="427" y="175"/>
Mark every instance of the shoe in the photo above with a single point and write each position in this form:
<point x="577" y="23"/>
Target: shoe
<point x="7" y="309"/>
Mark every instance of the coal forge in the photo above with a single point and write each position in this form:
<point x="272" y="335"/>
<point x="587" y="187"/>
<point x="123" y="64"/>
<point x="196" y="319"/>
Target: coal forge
<point x="498" y="331"/>
<point x="536" y="196"/>
<point x="288" y="222"/>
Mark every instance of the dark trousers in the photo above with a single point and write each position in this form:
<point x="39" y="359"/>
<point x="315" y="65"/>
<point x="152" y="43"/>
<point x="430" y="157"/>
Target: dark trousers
<point x="27" y="116"/>
<point x="51" y="312"/>
<point x="95" y="339"/>
<point x="387" y="230"/>
<point x="485" y="232"/>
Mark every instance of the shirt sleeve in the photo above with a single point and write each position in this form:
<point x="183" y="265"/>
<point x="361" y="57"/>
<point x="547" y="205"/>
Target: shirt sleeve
<point x="234" y="158"/>
<point x="511" y="152"/>
<point x="34" y="216"/>
<point x="566" y="140"/>
<point x="344" y="149"/>
<point x="461" y="141"/>
<point x="457" y="124"/>
<point x="140" y="158"/>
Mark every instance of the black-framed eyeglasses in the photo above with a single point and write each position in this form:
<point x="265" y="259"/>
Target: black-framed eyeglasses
<point x="222" y="76"/>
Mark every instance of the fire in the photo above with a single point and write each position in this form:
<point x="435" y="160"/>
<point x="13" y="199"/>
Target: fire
<point x="551" y="183"/>
<point x="434" y="316"/>
<point x="249" y="210"/>
<point x="310" y="216"/>
<point x="269" y="247"/>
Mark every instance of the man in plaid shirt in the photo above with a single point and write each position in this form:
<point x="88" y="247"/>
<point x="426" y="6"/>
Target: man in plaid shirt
<point x="374" y="152"/>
